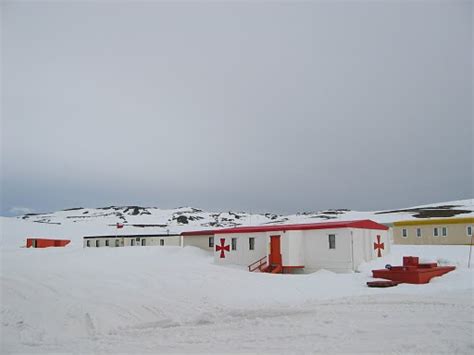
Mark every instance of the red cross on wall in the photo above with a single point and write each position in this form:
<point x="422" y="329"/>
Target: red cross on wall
<point x="378" y="247"/>
<point x="222" y="248"/>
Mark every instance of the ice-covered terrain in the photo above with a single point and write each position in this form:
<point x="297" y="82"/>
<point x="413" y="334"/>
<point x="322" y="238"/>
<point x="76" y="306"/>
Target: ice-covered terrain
<point x="152" y="299"/>
<point x="170" y="299"/>
<point x="75" y="223"/>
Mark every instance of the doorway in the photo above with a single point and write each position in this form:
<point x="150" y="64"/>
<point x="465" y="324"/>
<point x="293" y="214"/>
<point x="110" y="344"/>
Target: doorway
<point x="275" y="250"/>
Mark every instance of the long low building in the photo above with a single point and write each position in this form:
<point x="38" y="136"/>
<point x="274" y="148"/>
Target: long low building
<point x="339" y="246"/>
<point x="436" y="231"/>
<point x="97" y="241"/>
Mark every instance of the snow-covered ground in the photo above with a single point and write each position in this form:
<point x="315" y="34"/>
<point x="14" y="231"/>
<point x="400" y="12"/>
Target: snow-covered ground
<point x="152" y="299"/>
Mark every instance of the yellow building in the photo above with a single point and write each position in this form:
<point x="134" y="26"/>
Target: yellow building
<point x="439" y="231"/>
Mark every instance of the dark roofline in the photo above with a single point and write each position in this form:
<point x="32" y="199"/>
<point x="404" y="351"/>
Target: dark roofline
<point x="194" y="233"/>
<point x="130" y="236"/>
<point x="363" y="224"/>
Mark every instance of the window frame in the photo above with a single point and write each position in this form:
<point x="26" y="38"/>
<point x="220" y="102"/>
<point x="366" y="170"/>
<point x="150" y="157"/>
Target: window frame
<point x="233" y="242"/>
<point x="162" y="242"/>
<point x="443" y="230"/>
<point x="418" y="233"/>
<point x="435" y="232"/>
<point x="251" y="243"/>
<point x="211" y="242"/>
<point x="469" y="228"/>
<point x="117" y="243"/>
<point x="106" y="242"/>
<point x="97" y="243"/>
<point x="88" y="243"/>
<point x="332" y="241"/>
<point x="404" y="233"/>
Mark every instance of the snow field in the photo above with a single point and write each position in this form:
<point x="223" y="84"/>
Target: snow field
<point x="172" y="299"/>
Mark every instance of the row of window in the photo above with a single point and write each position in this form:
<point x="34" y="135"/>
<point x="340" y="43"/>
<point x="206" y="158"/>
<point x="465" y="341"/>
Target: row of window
<point x="437" y="231"/>
<point x="331" y="240"/>
<point x="234" y="243"/>
<point x="133" y="242"/>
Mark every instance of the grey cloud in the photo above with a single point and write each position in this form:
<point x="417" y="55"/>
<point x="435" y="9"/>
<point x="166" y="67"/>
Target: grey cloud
<point x="263" y="107"/>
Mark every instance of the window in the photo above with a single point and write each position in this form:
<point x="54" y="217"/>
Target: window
<point x="469" y="231"/>
<point x="211" y="242"/>
<point x="117" y="243"/>
<point x="435" y="232"/>
<point x="97" y="243"/>
<point x="404" y="233"/>
<point x="332" y="241"/>
<point x="418" y="232"/>
<point x="234" y="243"/>
<point x="106" y="242"/>
<point x="162" y="242"/>
<point x="444" y="231"/>
<point x="132" y="242"/>
<point x="88" y="243"/>
<point x="143" y="242"/>
<point x="251" y="243"/>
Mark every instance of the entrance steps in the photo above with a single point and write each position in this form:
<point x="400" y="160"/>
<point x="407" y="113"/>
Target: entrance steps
<point x="261" y="265"/>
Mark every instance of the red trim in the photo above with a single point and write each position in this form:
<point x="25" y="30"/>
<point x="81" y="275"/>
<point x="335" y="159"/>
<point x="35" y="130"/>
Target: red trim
<point x="293" y="267"/>
<point x="363" y="224"/>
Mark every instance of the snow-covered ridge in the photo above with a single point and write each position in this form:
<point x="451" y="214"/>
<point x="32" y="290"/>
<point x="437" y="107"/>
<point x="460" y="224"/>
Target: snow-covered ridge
<point x="75" y="223"/>
<point x="142" y="217"/>
<point x="152" y="216"/>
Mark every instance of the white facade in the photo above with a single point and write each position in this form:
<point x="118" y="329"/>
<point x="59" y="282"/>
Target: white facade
<point x="204" y="241"/>
<point x="130" y="241"/>
<point x="241" y="255"/>
<point x="305" y="250"/>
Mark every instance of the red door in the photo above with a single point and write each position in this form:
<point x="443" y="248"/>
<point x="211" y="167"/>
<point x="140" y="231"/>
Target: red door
<point x="275" y="252"/>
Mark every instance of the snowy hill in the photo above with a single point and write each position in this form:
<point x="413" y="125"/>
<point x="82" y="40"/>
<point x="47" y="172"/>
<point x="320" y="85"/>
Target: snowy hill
<point x="76" y="222"/>
<point x="143" y="217"/>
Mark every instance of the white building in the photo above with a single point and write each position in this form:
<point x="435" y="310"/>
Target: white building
<point x="98" y="241"/>
<point x="200" y="239"/>
<point x="337" y="246"/>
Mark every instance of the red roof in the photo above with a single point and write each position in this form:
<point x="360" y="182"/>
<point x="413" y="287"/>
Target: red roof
<point x="187" y="234"/>
<point x="363" y="224"/>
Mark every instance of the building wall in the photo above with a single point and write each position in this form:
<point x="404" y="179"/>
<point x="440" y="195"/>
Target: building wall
<point x="127" y="241"/>
<point x="292" y="247"/>
<point x="456" y="233"/>
<point x="353" y="247"/>
<point x="307" y="248"/>
<point x="318" y="255"/>
<point x="242" y="255"/>
<point x="199" y="241"/>
<point x="363" y="248"/>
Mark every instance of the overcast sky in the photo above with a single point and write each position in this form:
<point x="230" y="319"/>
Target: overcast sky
<point x="279" y="107"/>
